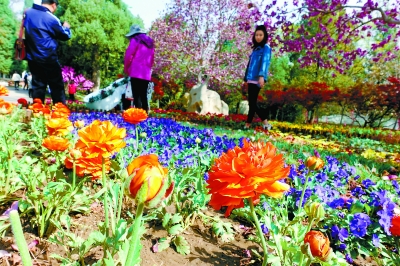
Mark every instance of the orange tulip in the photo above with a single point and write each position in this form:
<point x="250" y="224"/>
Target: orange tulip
<point x="319" y="244"/>
<point x="55" y="143"/>
<point x="3" y="91"/>
<point x="59" y="126"/>
<point x="395" y="227"/>
<point x="146" y="168"/>
<point x="87" y="165"/>
<point x="134" y="115"/>
<point x="246" y="172"/>
<point x="6" y="107"/>
<point x="101" y="137"/>
<point x="314" y="163"/>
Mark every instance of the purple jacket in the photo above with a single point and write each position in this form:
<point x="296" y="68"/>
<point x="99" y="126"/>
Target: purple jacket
<point x="139" y="57"/>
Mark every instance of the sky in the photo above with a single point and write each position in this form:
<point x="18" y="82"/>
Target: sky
<point x="148" y="10"/>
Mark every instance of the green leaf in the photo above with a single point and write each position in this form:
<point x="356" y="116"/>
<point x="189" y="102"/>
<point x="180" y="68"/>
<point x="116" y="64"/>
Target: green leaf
<point x="163" y="244"/>
<point x="176" y="229"/>
<point x="182" y="246"/>
<point x="166" y="219"/>
<point x="176" y="218"/>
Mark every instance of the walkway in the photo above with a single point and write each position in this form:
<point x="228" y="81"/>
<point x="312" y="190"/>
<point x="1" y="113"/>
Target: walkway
<point x="14" y="95"/>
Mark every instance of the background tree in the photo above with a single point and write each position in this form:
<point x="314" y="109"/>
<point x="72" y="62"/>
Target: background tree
<point x="8" y="29"/>
<point x="98" y="42"/>
<point x="208" y="36"/>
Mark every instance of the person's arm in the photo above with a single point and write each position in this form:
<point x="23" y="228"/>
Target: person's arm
<point x="265" y="62"/>
<point x="130" y="54"/>
<point x="62" y="32"/>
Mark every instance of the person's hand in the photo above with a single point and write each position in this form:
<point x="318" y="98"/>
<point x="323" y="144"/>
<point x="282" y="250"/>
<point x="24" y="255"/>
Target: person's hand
<point x="261" y="81"/>
<point x="66" y="25"/>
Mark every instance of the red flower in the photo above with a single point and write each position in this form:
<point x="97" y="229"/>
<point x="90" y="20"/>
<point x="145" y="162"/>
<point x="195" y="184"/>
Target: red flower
<point x="23" y="102"/>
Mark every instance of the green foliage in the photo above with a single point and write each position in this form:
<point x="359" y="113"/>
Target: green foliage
<point x="8" y="30"/>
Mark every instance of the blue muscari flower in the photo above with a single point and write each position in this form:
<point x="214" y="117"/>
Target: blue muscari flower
<point x="375" y="240"/>
<point x="359" y="224"/>
<point x="292" y="172"/>
<point x="367" y="183"/>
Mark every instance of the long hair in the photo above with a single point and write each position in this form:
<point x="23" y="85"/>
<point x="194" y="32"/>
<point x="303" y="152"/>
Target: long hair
<point x="264" y="41"/>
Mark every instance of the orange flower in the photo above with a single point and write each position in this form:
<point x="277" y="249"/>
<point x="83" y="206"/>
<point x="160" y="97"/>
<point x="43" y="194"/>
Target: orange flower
<point x="60" y="110"/>
<point x="59" y="126"/>
<point x="146" y="168"/>
<point x="101" y="137"/>
<point x="395" y="227"/>
<point x="314" y="163"/>
<point x="6" y="107"/>
<point x="55" y="143"/>
<point x="319" y="244"/>
<point x="39" y="108"/>
<point x="87" y="165"/>
<point x="134" y="115"/>
<point x="3" y="91"/>
<point x="246" y="172"/>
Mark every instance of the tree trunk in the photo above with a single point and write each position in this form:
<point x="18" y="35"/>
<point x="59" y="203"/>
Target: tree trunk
<point x="96" y="71"/>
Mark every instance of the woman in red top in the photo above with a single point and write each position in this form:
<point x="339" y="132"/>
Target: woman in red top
<point x="72" y="91"/>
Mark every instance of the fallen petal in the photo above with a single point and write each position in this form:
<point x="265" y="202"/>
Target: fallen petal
<point x="4" y="253"/>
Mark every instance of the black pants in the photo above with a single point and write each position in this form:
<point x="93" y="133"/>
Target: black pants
<point x="16" y="84"/>
<point x="139" y="91"/>
<point x="25" y="84"/>
<point x="71" y="96"/>
<point x="44" y="74"/>
<point x="254" y="90"/>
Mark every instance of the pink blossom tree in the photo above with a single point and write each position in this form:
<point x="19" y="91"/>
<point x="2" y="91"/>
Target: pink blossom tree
<point x="204" y="36"/>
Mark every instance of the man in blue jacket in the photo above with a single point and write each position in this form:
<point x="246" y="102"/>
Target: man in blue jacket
<point x="42" y="30"/>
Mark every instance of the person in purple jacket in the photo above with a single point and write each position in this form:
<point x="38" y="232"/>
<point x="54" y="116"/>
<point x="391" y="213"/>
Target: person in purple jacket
<point x="42" y="31"/>
<point x="138" y="62"/>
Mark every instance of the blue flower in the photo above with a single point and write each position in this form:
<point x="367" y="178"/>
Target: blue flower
<point x="359" y="224"/>
<point x="367" y="183"/>
<point x="342" y="246"/>
<point x="349" y="259"/>
<point x="338" y="233"/>
<point x="375" y="240"/>
<point x="336" y="203"/>
<point x="264" y="229"/>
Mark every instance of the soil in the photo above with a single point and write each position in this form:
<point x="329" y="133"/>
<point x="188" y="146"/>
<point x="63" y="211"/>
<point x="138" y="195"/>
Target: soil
<point x="205" y="248"/>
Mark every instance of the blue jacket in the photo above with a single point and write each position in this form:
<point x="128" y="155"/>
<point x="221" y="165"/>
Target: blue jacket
<point x="42" y="30"/>
<point x="259" y="62"/>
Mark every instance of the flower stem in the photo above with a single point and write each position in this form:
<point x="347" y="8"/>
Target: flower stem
<point x="302" y="194"/>
<point x="137" y="137"/>
<point x="259" y="230"/>
<point x="73" y="174"/>
<point x="19" y="238"/>
<point x="134" y="242"/>
<point x="105" y="198"/>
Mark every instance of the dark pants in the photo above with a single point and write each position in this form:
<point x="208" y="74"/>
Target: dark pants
<point x="72" y="97"/>
<point x="139" y="91"/>
<point x="25" y="84"/>
<point x="44" y="74"/>
<point x="16" y="84"/>
<point x="254" y="90"/>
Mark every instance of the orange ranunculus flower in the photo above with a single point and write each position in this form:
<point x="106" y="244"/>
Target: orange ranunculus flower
<point x="319" y="244"/>
<point x="59" y="126"/>
<point x="55" y="143"/>
<point x="6" y="107"/>
<point x="60" y="110"/>
<point x="37" y="100"/>
<point x="314" y="163"/>
<point x="86" y="165"/>
<point x="79" y="123"/>
<point x="146" y="168"/>
<point x="246" y="172"/>
<point x="38" y="108"/>
<point x="101" y="137"/>
<point x="3" y="91"/>
<point x="134" y="115"/>
<point x="395" y="227"/>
